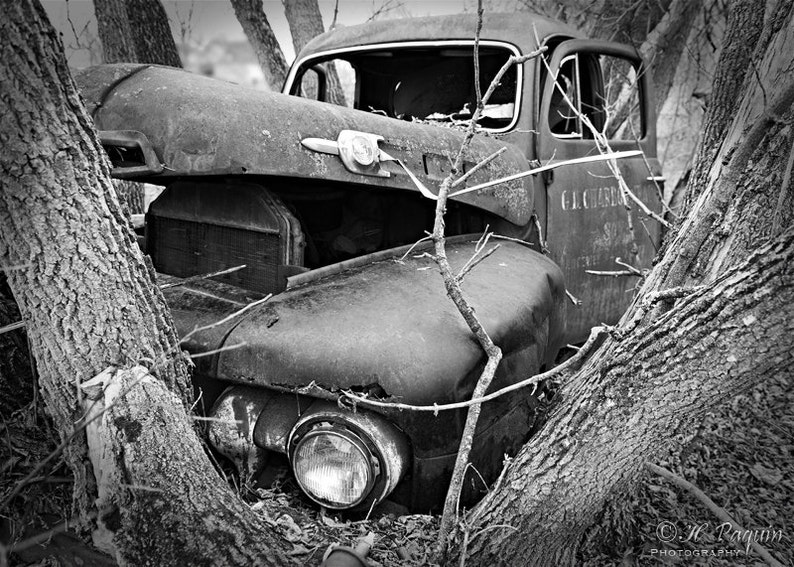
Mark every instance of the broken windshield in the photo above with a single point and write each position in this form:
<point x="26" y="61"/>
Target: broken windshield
<point x="414" y="82"/>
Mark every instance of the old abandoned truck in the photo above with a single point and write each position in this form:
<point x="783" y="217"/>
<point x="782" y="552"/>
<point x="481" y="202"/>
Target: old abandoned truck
<point x="319" y="191"/>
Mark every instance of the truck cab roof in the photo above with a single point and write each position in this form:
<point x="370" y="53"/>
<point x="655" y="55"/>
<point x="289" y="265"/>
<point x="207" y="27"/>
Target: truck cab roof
<point x="522" y="29"/>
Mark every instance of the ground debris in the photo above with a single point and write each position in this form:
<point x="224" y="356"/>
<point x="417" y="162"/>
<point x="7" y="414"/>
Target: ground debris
<point x="399" y="540"/>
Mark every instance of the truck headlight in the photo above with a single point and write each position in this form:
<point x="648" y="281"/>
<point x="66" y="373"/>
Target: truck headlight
<point x="345" y="460"/>
<point x="334" y="467"/>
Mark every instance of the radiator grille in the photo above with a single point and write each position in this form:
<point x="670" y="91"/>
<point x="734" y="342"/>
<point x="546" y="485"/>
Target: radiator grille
<point x="185" y="248"/>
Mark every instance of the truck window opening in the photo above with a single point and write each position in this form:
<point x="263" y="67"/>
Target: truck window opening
<point x="433" y="84"/>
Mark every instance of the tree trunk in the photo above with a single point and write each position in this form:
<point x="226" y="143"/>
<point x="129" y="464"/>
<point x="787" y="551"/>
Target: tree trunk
<point x="306" y="23"/>
<point x="131" y="195"/>
<point x="735" y="62"/>
<point x="626" y="21"/>
<point x="154" y="42"/>
<point x="90" y="301"/>
<point x="663" y="48"/>
<point x="713" y="316"/>
<point x="115" y="33"/>
<point x="251" y="15"/>
<point x="135" y="31"/>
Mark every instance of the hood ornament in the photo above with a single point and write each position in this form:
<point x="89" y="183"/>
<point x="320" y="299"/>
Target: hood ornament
<point x="360" y="153"/>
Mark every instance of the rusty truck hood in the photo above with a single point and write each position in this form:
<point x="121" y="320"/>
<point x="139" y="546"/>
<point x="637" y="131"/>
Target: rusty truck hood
<point x="200" y="126"/>
<point x="389" y="327"/>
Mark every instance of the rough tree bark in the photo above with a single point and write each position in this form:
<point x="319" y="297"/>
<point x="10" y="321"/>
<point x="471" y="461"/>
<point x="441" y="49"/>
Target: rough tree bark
<point x="665" y="43"/>
<point x="135" y="31"/>
<point x="154" y="42"/>
<point x="251" y="15"/>
<point x="90" y="302"/>
<point x="115" y="33"/>
<point x="735" y="62"/>
<point x="306" y="23"/>
<point x="713" y="317"/>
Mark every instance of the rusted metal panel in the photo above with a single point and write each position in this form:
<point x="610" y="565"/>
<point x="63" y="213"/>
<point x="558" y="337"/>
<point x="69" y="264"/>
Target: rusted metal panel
<point x="202" y="126"/>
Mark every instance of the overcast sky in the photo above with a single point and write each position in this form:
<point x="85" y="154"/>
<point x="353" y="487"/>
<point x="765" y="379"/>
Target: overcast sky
<point x="215" y="18"/>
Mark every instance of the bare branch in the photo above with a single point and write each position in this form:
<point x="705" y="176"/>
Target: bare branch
<point x="575" y="300"/>
<point x="629" y="271"/>
<point x="614" y="273"/>
<point x="12" y="327"/>
<point x="414" y="245"/>
<point x="471" y="264"/>
<point x="200" y="277"/>
<point x="595" y="334"/>
<point x="225" y="319"/>
<point x="217" y="350"/>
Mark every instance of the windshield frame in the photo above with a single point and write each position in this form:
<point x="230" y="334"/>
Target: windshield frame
<point x="314" y="58"/>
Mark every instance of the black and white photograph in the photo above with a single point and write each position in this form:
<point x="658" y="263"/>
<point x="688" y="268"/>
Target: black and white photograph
<point x="385" y="283"/>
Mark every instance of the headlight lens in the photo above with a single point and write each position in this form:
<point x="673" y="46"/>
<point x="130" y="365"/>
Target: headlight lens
<point x="333" y="467"/>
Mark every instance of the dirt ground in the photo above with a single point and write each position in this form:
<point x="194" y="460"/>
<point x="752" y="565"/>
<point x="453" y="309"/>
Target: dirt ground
<point x="742" y="457"/>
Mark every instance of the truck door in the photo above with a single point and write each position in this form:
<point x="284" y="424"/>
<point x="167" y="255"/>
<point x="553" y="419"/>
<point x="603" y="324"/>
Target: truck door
<point x="598" y="88"/>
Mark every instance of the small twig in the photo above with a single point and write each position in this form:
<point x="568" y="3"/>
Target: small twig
<point x="650" y="238"/>
<point x="225" y="319"/>
<point x="12" y="327"/>
<point x="200" y="277"/>
<point x="717" y="510"/>
<point x="604" y="156"/>
<point x="643" y="207"/>
<point x="475" y="258"/>
<point x="472" y="264"/>
<point x="629" y="267"/>
<point x="477" y="167"/>
<point x="217" y="350"/>
<point x="414" y="245"/>
<point x="575" y="300"/>
<point x="217" y="420"/>
<point x="614" y="274"/>
<point x="542" y="241"/>
<point x="511" y="239"/>
<point x="629" y="271"/>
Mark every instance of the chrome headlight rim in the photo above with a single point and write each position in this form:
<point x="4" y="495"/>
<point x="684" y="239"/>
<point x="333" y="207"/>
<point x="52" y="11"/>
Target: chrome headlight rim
<point x="323" y="426"/>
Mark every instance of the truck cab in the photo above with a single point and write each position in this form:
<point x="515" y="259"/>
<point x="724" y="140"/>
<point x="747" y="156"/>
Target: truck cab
<point x="407" y="70"/>
<point x="313" y="205"/>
